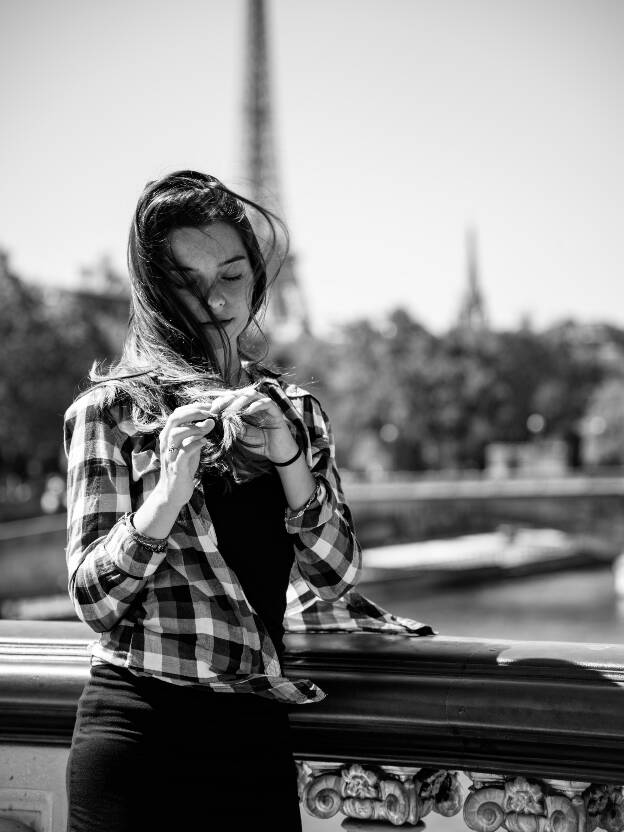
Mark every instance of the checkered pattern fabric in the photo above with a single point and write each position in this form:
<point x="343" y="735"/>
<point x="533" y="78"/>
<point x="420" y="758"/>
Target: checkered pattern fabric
<point x="181" y="614"/>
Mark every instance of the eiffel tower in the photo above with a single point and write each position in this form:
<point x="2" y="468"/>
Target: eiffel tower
<point x="287" y="314"/>
<point x="472" y="315"/>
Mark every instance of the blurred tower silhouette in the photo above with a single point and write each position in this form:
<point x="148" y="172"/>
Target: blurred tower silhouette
<point x="472" y="315"/>
<point x="287" y="315"/>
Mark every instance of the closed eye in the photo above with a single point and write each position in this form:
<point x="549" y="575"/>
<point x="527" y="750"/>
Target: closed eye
<point x="193" y="288"/>
<point x="232" y="277"/>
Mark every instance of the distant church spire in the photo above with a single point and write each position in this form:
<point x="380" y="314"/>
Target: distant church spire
<point x="472" y="314"/>
<point x="287" y="314"/>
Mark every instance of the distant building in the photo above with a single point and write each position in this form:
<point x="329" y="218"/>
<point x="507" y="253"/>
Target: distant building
<point x="602" y="427"/>
<point x="540" y="457"/>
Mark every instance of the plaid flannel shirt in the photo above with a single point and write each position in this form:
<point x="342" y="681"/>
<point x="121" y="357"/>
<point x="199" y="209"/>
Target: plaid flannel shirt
<point x="181" y="614"/>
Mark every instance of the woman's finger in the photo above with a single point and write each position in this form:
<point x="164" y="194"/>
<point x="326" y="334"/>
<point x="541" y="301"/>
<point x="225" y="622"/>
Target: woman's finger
<point x="227" y="400"/>
<point x="187" y="413"/>
<point x="190" y="442"/>
<point x="220" y="403"/>
<point x="240" y="403"/>
<point x="206" y="425"/>
<point x="188" y="446"/>
<point x="174" y="437"/>
<point x="267" y="407"/>
<point x="265" y="403"/>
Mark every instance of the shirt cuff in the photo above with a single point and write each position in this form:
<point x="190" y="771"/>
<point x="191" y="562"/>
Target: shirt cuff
<point x="316" y="512"/>
<point x="138" y="555"/>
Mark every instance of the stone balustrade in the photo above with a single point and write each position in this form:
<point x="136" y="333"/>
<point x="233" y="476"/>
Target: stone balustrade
<point x="536" y="727"/>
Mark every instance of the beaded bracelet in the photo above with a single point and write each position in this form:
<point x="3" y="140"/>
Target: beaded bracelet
<point x="155" y="544"/>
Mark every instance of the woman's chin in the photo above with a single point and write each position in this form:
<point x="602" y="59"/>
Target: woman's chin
<point x="217" y="342"/>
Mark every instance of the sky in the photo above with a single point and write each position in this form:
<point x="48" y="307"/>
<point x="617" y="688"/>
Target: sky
<point x="398" y="125"/>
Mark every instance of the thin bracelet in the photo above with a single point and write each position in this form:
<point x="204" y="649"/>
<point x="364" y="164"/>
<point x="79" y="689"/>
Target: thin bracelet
<point x="291" y="460"/>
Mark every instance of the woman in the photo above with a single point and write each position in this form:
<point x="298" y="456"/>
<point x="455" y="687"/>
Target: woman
<point x="200" y="489"/>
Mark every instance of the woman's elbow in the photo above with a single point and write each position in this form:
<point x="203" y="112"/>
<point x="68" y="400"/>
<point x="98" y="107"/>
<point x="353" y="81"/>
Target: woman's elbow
<point x="94" y="614"/>
<point x="99" y="624"/>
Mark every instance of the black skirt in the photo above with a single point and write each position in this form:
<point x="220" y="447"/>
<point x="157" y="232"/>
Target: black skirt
<point x="150" y="756"/>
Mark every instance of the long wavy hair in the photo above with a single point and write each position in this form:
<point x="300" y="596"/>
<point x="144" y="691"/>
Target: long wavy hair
<point x="167" y="360"/>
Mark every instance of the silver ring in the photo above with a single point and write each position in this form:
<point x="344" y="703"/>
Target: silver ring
<point x="172" y="449"/>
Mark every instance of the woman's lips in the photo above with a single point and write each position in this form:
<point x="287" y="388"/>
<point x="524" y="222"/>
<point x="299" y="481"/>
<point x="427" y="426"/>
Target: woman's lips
<point x="222" y="322"/>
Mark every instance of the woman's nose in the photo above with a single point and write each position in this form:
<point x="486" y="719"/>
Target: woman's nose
<point x="215" y="300"/>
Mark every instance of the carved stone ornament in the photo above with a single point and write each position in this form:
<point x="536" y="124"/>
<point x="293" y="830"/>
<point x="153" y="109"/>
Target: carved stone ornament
<point x="387" y="795"/>
<point x="518" y="804"/>
<point x="375" y="797"/>
<point x="605" y="808"/>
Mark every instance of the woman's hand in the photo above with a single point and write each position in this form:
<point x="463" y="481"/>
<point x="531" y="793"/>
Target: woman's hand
<point x="274" y="442"/>
<point x="181" y="441"/>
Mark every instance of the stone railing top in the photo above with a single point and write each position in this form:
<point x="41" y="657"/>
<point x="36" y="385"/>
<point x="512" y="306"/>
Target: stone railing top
<point x="548" y="709"/>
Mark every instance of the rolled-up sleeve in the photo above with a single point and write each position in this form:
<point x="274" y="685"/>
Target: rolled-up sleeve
<point x="328" y="554"/>
<point x="107" y="563"/>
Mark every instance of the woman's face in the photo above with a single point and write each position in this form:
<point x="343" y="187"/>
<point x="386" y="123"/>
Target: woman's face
<point x="215" y="262"/>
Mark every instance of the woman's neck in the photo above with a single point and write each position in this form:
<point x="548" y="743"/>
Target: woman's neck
<point x="237" y="374"/>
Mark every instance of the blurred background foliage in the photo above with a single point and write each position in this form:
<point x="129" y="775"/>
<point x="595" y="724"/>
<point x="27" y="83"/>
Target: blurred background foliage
<point x="439" y="401"/>
<point x="401" y="399"/>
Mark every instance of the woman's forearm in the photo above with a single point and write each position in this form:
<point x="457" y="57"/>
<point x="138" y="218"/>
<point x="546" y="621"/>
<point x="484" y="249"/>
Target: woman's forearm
<point x="156" y="517"/>
<point x="297" y="482"/>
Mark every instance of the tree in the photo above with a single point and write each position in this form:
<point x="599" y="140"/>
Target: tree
<point x="44" y="357"/>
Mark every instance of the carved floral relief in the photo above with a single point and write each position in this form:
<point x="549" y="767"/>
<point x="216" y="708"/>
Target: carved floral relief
<point x="372" y="797"/>
<point x="605" y="808"/>
<point x="520" y="805"/>
<point x="376" y="794"/>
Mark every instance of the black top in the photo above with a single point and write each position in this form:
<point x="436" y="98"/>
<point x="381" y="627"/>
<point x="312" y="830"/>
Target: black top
<point x="251" y="534"/>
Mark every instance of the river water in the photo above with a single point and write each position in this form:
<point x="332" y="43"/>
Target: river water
<point x="578" y="605"/>
<point x="572" y="605"/>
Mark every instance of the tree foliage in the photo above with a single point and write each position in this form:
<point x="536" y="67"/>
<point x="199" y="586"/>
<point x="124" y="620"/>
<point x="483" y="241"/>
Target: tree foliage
<point x="447" y="397"/>
<point x="46" y="352"/>
<point x="396" y="393"/>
